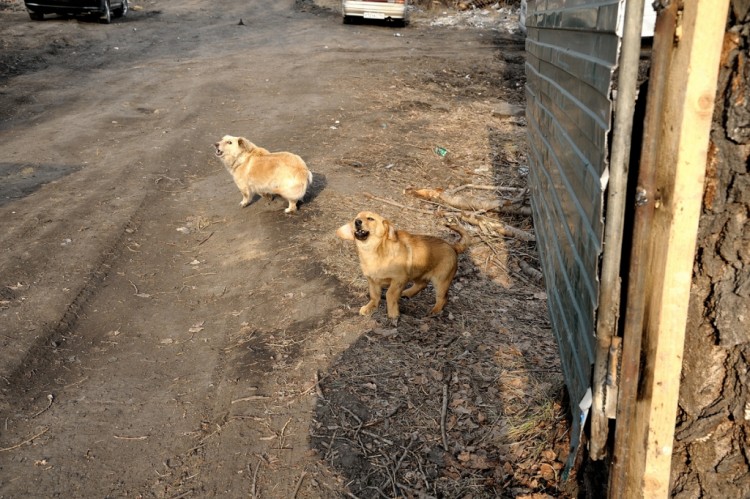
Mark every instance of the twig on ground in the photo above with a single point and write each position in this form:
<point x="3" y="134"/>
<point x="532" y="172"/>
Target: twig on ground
<point x="398" y="205"/>
<point x="281" y="434"/>
<point x="318" y="389"/>
<point x="330" y="445"/>
<point x="393" y="479"/>
<point x="251" y="397"/>
<point x="25" y="441"/>
<point x="254" y="486"/>
<point x="359" y="420"/>
<point x="416" y="492"/>
<point x="206" y="239"/>
<point x="315" y="386"/>
<point x="299" y="484"/>
<point x="377" y="437"/>
<point x="389" y="415"/>
<point x="443" y="414"/>
<point x="184" y="494"/>
<point x="51" y="399"/>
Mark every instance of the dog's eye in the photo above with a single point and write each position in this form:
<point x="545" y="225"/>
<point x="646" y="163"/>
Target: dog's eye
<point x="229" y="142"/>
<point x="370" y="219"/>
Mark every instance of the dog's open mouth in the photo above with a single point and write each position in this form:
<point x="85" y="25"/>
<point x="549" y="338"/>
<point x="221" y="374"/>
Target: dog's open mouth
<point x="361" y="234"/>
<point x="219" y="152"/>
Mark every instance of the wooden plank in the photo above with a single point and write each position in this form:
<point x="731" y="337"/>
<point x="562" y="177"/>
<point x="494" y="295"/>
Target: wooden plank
<point x="681" y="156"/>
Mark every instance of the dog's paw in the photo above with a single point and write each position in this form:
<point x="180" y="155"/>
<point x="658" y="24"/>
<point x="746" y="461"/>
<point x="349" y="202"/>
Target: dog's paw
<point x="366" y="310"/>
<point x="244" y="203"/>
<point x="393" y="321"/>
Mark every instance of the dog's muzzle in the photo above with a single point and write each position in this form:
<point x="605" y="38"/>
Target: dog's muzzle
<point x="218" y="152"/>
<point x="360" y="233"/>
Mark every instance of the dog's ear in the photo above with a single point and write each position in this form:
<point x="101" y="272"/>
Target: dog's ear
<point x="244" y="144"/>
<point x="390" y="230"/>
<point x="346" y="232"/>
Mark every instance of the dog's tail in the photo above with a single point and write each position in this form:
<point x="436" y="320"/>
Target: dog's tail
<point x="463" y="243"/>
<point x="309" y="178"/>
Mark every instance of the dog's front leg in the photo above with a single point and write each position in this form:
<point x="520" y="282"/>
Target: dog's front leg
<point x="246" y="195"/>
<point x="391" y="300"/>
<point x="372" y="305"/>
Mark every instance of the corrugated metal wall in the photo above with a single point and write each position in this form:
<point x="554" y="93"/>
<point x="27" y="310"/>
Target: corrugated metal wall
<point x="572" y="48"/>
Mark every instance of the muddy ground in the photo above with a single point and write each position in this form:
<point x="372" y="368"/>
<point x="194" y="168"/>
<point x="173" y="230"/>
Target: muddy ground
<point x="159" y="341"/>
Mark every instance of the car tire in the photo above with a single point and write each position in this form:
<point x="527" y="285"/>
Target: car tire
<point x="36" y="16"/>
<point x="122" y="11"/>
<point x="106" y="16"/>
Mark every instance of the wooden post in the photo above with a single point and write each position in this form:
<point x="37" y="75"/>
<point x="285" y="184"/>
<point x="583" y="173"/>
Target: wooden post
<point x="643" y="447"/>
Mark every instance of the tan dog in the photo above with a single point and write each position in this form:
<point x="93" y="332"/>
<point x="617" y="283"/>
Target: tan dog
<point x="393" y="258"/>
<point x="257" y="171"/>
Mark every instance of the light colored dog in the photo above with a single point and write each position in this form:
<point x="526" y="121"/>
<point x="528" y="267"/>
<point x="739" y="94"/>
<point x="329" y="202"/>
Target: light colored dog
<point x="257" y="171"/>
<point x="393" y="258"/>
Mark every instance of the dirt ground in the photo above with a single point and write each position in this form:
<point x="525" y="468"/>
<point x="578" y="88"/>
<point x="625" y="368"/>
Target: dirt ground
<point x="157" y="340"/>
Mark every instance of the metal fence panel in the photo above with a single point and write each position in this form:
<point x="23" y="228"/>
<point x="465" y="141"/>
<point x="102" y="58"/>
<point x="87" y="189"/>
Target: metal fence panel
<point x="572" y="48"/>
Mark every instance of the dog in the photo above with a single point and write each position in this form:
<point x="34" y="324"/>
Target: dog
<point x="393" y="258"/>
<point x="257" y="171"/>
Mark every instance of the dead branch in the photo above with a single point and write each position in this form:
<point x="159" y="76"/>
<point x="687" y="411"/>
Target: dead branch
<point x="501" y="228"/>
<point x="469" y="203"/>
<point x="486" y="188"/>
<point x="398" y="205"/>
<point x="530" y="271"/>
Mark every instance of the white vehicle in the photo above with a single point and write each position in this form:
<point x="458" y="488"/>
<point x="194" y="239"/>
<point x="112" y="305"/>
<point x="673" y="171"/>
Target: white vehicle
<point x="384" y="10"/>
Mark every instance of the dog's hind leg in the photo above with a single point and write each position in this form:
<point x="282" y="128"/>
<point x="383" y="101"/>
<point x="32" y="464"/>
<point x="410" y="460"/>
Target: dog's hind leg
<point x="441" y="292"/>
<point x="292" y="206"/>
<point x="414" y="289"/>
<point x="441" y="298"/>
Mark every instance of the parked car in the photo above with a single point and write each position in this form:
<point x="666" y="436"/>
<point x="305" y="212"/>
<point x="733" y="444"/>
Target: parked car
<point x="105" y="10"/>
<point x="387" y="10"/>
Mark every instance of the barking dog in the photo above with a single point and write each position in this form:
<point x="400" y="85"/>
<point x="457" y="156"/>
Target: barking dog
<point x="257" y="171"/>
<point x="393" y="258"/>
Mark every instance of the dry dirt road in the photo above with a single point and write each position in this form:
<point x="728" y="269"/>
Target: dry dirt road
<point x="157" y="340"/>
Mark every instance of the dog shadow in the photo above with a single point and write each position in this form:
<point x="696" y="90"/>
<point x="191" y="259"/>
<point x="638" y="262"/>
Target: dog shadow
<point x="318" y="185"/>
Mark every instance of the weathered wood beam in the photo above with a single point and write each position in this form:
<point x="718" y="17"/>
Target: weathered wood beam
<point x="643" y="447"/>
